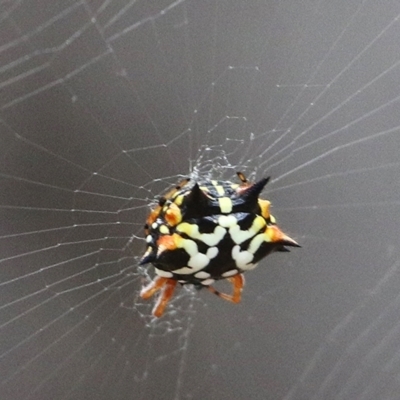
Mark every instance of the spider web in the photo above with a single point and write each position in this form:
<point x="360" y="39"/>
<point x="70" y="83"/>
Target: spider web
<point x="106" y="104"/>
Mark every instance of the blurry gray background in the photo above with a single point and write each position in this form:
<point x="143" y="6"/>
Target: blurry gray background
<point x="105" y="104"/>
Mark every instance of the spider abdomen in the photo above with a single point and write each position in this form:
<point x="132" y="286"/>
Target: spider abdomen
<point x="209" y="231"/>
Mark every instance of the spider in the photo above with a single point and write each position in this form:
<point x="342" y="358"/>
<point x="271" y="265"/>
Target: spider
<point x="206" y="231"/>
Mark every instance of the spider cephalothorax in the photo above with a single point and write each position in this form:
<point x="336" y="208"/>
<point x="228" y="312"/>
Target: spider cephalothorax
<point x="206" y="231"/>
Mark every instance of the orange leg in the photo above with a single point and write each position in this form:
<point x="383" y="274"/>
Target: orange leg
<point x="153" y="287"/>
<point x="167" y="287"/>
<point x="237" y="283"/>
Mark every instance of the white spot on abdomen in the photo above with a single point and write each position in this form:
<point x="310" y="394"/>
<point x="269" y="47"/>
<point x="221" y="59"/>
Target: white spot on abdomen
<point x="164" y="274"/>
<point x="232" y="272"/>
<point x="242" y="258"/>
<point x="212" y="239"/>
<point x="198" y="261"/>
<point x="257" y="241"/>
<point x="227" y="221"/>
<point x="184" y="271"/>
<point x="225" y="204"/>
<point x="212" y="252"/>
<point x="190" y="247"/>
<point x="202" y="275"/>
<point x="207" y="282"/>
<point x="239" y="236"/>
<point x="248" y="267"/>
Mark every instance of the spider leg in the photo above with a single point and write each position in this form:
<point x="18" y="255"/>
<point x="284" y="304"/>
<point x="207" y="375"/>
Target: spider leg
<point x="155" y="285"/>
<point x="164" y="297"/>
<point x="237" y="283"/>
<point x="167" y="287"/>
